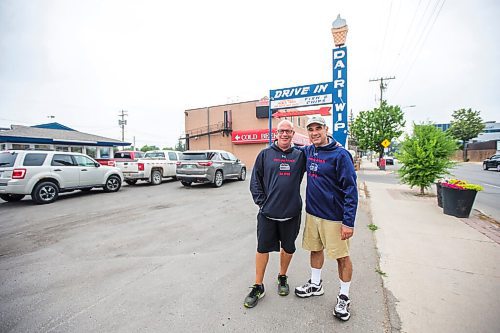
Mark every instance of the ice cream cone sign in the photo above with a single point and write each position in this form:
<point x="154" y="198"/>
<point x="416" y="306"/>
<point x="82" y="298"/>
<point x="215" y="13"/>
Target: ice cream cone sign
<point x="339" y="31"/>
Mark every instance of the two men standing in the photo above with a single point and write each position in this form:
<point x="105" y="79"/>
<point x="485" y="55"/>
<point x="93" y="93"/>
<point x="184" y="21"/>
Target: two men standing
<point x="331" y="203"/>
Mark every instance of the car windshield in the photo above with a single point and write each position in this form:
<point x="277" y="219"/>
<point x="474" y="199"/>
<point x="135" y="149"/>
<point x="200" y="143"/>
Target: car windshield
<point x="7" y="159"/>
<point x="154" y="155"/>
<point x="198" y="156"/>
<point x="122" y="154"/>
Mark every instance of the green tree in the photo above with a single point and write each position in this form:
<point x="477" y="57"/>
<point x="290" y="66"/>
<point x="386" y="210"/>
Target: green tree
<point x="372" y="127"/>
<point x="168" y="148"/>
<point x="425" y="156"/>
<point x="146" y="148"/>
<point x="466" y="124"/>
<point x="180" y="146"/>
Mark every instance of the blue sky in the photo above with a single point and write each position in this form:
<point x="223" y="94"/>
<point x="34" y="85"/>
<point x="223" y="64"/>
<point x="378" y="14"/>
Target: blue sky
<point x="84" y="61"/>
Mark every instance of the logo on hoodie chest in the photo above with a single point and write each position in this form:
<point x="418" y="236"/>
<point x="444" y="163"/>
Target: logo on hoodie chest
<point x="313" y="165"/>
<point x="284" y="165"/>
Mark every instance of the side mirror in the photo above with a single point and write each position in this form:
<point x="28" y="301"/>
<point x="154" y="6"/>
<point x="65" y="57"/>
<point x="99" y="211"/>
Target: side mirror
<point x="97" y="165"/>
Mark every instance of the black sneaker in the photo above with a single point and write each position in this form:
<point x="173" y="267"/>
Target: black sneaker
<point x="283" y="288"/>
<point x="309" y="289"/>
<point x="255" y="294"/>
<point x="341" y="310"/>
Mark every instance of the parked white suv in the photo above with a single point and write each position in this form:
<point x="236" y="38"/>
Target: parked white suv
<point x="44" y="174"/>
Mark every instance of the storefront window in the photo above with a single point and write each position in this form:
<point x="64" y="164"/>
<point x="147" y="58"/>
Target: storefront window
<point x="62" y="148"/>
<point x="77" y="149"/>
<point x="42" y="147"/>
<point x="105" y="152"/>
<point x="3" y="146"/>
<point x="17" y="146"/>
<point x="91" y="151"/>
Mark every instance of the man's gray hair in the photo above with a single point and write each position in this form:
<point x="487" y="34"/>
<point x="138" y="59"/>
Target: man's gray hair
<point x="284" y="121"/>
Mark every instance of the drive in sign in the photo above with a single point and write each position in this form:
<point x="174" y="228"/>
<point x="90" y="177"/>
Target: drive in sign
<point x="308" y="95"/>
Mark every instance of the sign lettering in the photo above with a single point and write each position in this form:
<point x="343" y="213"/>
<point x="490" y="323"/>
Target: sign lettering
<point x="340" y="95"/>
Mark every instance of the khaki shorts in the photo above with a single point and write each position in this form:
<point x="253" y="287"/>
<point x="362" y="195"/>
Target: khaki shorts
<point x="320" y="234"/>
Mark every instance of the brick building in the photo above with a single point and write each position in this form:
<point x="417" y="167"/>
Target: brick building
<point x="240" y="128"/>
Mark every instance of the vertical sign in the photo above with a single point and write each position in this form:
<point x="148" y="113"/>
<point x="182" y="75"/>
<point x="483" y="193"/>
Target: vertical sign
<point x="340" y="95"/>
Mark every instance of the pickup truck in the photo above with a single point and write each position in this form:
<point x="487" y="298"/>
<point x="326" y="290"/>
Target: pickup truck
<point x="121" y="156"/>
<point x="153" y="167"/>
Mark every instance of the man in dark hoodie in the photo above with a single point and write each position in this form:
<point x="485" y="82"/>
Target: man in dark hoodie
<point x="275" y="186"/>
<point x="331" y="203"/>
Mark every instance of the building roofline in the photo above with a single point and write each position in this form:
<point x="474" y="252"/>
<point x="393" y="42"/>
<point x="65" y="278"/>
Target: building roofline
<point x="214" y="106"/>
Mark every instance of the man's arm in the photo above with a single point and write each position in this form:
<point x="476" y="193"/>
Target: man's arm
<point x="257" y="181"/>
<point x="348" y="183"/>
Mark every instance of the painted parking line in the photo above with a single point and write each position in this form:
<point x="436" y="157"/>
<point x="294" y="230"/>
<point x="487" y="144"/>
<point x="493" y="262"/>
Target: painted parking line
<point x="491" y="185"/>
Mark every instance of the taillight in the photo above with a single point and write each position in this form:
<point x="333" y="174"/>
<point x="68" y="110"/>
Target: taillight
<point x="141" y="166"/>
<point x="111" y="163"/>
<point x="205" y="163"/>
<point x="18" y="173"/>
<point x="178" y="163"/>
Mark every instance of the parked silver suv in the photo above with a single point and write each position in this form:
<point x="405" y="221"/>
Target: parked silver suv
<point x="44" y="174"/>
<point x="209" y="166"/>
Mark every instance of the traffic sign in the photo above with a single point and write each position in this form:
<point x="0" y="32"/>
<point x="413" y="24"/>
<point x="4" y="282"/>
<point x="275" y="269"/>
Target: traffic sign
<point x="386" y="143"/>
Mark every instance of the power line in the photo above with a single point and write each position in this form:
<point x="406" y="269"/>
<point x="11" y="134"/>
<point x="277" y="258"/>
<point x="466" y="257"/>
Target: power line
<point x="383" y="41"/>
<point x="421" y="46"/>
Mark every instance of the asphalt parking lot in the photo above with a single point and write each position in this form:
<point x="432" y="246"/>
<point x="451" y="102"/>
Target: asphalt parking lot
<point x="163" y="259"/>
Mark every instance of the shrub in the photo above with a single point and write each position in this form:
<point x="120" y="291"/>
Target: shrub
<point x="425" y="156"/>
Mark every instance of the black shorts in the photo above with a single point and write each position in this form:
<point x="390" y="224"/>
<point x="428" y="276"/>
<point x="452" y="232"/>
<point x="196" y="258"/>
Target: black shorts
<point x="273" y="235"/>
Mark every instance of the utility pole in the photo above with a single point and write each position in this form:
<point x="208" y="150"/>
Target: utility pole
<point x="383" y="85"/>
<point x="122" y="122"/>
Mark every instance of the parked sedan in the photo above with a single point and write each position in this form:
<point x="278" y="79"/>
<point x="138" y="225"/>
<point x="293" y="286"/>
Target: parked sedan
<point x="492" y="162"/>
<point x="209" y="166"/>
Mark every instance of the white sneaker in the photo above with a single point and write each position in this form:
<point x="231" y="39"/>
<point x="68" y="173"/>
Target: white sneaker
<point x="341" y="310"/>
<point x="309" y="289"/>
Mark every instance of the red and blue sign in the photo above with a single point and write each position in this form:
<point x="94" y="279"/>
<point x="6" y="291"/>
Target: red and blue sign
<point x="340" y="95"/>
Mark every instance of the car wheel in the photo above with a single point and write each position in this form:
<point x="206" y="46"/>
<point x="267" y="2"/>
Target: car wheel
<point x="113" y="184"/>
<point x="131" y="182"/>
<point x="243" y="174"/>
<point x="498" y="167"/>
<point x="485" y="167"/>
<point x="45" y="192"/>
<point x="12" y="197"/>
<point x="187" y="184"/>
<point x="156" y="177"/>
<point x="218" y="179"/>
<point x="86" y="189"/>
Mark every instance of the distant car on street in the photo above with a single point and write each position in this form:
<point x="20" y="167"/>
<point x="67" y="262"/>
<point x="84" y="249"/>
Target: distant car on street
<point x="389" y="160"/>
<point x="209" y="166"/>
<point x="492" y="162"/>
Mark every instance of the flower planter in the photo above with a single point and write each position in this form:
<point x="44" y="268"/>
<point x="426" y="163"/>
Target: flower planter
<point x="439" y="189"/>
<point x="457" y="202"/>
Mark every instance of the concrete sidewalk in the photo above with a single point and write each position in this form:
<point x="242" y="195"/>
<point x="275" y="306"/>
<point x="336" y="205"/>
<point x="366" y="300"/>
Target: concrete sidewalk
<point x="443" y="271"/>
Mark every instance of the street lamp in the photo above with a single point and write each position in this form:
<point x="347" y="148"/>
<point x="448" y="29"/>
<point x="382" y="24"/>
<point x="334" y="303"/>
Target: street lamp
<point x="408" y="126"/>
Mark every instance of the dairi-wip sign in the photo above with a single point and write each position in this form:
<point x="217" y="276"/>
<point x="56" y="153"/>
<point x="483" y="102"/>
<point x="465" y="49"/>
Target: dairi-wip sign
<point x="340" y="95"/>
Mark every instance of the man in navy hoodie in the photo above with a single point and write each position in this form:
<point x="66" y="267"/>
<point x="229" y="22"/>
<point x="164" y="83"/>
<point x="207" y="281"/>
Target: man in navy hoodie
<point x="275" y="186"/>
<point x="331" y="203"/>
